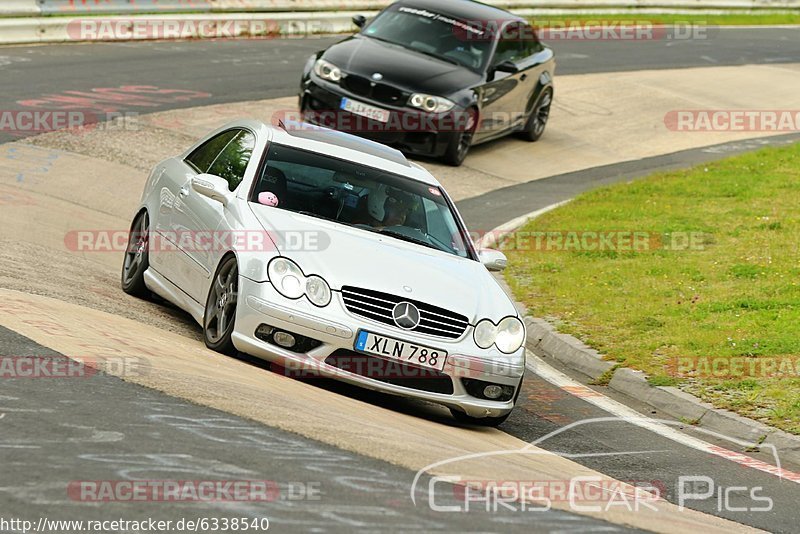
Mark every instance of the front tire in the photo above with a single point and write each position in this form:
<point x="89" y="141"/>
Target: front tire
<point x="220" y="315"/>
<point x="540" y="114"/>
<point x="137" y="258"/>
<point x="459" y="145"/>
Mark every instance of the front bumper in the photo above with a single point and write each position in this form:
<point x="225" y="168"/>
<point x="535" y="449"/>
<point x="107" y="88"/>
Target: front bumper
<point x="413" y="136"/>
<point x="335" y="330"/>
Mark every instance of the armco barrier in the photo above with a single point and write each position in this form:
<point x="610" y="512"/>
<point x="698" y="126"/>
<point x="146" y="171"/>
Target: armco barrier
<point x="66" y="29"/>
<point x="21" y="21"/>
<point x="19" y="8"/>
<point x="108" y="7"/>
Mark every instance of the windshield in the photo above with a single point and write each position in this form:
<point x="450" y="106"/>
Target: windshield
<point x="434" y="34"/>
<point x="359" y="196"/>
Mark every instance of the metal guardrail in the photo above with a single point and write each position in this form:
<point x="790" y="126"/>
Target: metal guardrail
<point x="115" y="7"/>
<point x="23" y="8"/>
<point x="39" y="21"/>
<point x="186" y="26"/>
<point x="20" y="8"/>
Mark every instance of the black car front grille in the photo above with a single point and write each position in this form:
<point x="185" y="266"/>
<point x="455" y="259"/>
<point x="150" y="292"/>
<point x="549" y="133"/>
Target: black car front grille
<point x="378" y="306"/>
<point x="391" y="372"/>
<point x="379" y="92"/>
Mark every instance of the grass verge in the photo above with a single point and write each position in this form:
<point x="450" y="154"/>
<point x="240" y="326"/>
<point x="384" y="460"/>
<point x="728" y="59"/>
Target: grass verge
<point x="691" y="276"/>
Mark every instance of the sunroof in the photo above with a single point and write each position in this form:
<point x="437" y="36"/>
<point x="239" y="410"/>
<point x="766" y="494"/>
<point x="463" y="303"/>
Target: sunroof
<point x="312" y="132"/>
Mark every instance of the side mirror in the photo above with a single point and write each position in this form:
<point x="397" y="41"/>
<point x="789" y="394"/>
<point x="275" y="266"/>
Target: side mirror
<point x="212" y="186"/>
<point x="506" y="66"/>
<point x="493" y="260"/>
<point x="359" y="20"/>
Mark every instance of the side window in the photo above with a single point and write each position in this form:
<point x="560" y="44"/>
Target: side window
<point x="232" y="161"/>
<point x="530" y="43"/>
<point x="510" y="47"/>
<point x="204" y="155"/>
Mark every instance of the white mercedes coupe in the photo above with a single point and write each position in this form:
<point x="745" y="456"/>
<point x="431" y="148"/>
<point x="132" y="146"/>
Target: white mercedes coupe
<point x="325" y="253"/>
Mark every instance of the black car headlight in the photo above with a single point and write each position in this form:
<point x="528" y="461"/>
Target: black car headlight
<point x="430" y="103"/>
<point x="288" y="279"/>
<point x="327" y="71"/>
<point x="508" y="335"/>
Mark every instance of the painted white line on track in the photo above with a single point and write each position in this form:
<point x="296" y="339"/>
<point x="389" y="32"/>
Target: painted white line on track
<point x="627" y="414"/>
<point x="494" y="237"/>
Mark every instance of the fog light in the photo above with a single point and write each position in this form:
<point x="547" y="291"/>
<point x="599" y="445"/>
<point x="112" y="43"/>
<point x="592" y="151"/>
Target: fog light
<point x="492" y="392"/>
<point x="284" y="339"/>
<point x="263" y="332"/>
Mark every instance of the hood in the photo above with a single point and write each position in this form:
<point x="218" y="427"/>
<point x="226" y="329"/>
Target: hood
<point x="400" y="67"/>
<point x="348" y="256"/>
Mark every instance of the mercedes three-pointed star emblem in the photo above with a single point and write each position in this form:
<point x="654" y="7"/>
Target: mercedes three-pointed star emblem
<point x="406" y="315"/>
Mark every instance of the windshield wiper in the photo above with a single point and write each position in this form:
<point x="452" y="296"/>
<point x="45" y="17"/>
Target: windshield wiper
<point x="381" y="39"/>
<point x="403" y="237"/>
<point x="323" y="217"/>
<point x="444" y="245"/>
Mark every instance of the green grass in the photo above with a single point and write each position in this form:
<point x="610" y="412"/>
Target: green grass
<point x="734" y="19"/>
<point x="735" y="294"/>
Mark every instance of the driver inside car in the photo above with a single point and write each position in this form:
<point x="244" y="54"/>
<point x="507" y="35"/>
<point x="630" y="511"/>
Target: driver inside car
<point x="388" y="207"/>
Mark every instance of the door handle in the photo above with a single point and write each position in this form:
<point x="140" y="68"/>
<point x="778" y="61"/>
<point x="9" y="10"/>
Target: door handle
<point x="523" y="77"/>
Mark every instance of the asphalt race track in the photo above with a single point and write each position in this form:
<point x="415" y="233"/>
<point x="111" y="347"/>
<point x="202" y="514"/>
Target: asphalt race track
<point x="321" y="487"/>
<point x="232" y="71"/>
<point x="50" y="427"/>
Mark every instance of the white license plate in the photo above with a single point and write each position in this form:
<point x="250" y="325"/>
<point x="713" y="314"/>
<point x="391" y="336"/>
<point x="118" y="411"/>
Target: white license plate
<point x="400" y="350"/>
<point x="365" y="110"/>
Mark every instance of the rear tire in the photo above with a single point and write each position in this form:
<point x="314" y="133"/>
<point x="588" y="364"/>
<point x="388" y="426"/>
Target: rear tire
<point x="137" y="258"/>
<point x="537" y="122"/>
<point x="220" y="315"/>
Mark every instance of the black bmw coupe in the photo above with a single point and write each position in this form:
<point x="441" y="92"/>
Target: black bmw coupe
<point x="433" y="78"/>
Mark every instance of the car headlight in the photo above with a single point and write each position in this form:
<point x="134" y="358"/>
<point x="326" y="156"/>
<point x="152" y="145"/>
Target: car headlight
<point x="485" y="334"/>
<point x="327" y="71"/>
<point x="508" y="336"/>
<point x="288" y="279"/>
<point x="429" y="103"/>
<point x="318" y="291"/>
